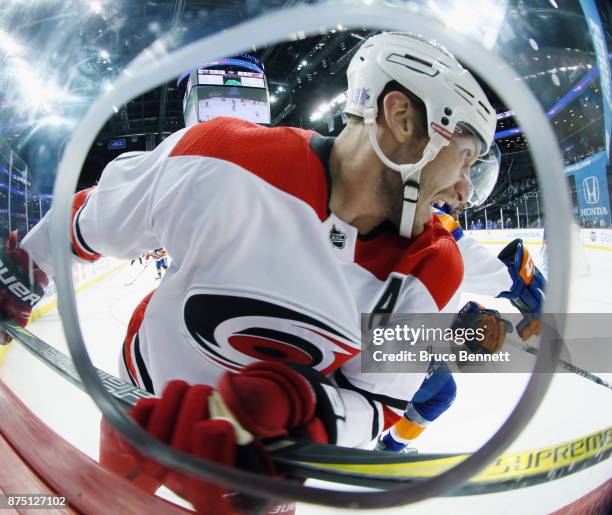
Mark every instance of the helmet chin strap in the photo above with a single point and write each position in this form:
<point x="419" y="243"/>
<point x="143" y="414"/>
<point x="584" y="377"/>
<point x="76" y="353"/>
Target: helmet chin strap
<point x="410" y="172"/>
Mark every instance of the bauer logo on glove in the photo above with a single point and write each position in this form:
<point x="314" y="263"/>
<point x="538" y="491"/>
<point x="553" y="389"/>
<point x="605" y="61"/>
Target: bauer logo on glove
<point x="22" y="284"/>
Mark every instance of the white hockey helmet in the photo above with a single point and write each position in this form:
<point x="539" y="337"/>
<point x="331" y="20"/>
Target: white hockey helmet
<point x="453" y="101"/>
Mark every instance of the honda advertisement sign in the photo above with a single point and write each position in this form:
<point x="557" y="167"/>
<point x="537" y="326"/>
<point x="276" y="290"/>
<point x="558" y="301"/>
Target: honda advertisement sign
<point x="592" y="188"/>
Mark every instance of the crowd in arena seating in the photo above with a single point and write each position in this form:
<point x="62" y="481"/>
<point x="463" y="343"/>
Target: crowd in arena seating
<point x="571" y="158"/>
<point x="592" y="223"/>
<point x="514" y="194"/>
<point x="584" y="222"/>
<point x="514" y="191"/>
<point x="491" y="224"/>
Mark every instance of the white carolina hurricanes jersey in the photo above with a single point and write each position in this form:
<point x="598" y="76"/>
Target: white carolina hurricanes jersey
<point x="261" y="270"/>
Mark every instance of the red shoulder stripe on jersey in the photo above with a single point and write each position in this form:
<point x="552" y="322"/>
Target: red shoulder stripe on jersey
<point x="432" y="257"/>
<point x="281" y="156"/>
<point x="380" y="255"/>
<point x="79" y="246"/>
<point x="436" y="261"/>
<point x="128" y="361"/>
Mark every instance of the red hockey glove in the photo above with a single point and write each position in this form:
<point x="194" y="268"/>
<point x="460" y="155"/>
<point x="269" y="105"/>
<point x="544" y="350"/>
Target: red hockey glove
<point x="22" y="285"/>
<point x="226" y="425"/>
<point x="487" y="323"/>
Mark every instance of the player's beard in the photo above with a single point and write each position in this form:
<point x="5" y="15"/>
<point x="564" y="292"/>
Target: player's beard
<point x="390" y="195"/>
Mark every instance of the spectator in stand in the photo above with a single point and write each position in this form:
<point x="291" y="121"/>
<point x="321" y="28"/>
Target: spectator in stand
<point x="508" y="224"/>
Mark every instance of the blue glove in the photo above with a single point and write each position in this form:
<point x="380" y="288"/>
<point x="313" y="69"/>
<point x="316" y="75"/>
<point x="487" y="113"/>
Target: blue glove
<point x="527" y="292"/>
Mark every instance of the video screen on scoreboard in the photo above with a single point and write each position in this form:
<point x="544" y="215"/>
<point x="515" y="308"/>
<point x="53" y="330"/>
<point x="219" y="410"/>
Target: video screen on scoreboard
<point x="247" y="103"/>
<point x="226" y="77"/>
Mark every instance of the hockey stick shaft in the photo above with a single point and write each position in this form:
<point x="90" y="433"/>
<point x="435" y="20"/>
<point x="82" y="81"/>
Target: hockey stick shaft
<point x="138" y="275"/>
<point x="566" y="365"/>
<point x="55" y="359"/>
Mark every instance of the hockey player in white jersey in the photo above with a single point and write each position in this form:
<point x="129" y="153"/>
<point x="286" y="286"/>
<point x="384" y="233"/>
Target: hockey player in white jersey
<point x="280" y="238"/>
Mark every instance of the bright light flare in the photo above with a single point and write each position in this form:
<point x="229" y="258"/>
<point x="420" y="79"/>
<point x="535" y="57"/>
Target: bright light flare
<point x="96" y="7"/>
<point x="35" y="93"/>
<point x="54" y="120"/>
<point x="9" y="46"/>
<point x="340" y="98"/>
<point x="480" y="19"/>
<point x="326" y="107"/>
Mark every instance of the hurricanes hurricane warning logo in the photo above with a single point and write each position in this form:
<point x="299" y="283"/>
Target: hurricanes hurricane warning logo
<point x="234" y="331"/>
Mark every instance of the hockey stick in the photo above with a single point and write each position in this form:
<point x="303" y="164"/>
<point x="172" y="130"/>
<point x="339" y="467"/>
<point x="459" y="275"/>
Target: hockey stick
<point x="374" y="469"/>
<point x="566" y="365"/>
<point x="55" y="359"/>
<point x="137" y="275"/>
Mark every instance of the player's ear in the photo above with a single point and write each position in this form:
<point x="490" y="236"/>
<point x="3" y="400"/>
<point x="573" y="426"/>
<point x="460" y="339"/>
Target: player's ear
<point x="402" y="117"/>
